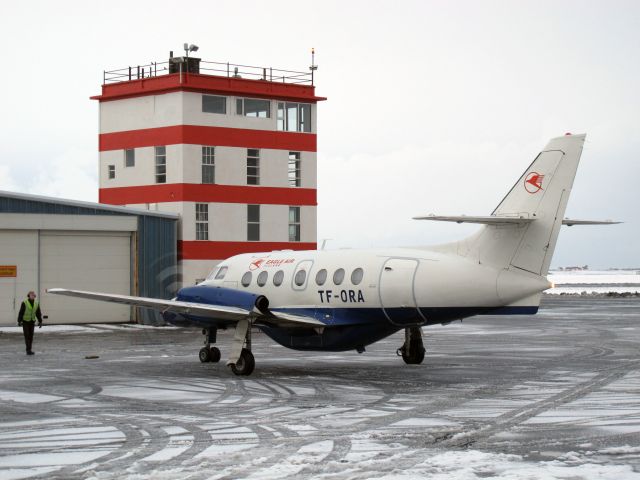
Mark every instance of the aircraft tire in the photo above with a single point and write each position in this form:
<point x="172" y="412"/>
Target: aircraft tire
<point x="215" y="354"/>
<point x="416" y="357"/>
<point x="205" y="355"/>
<point x="245" y="364"/>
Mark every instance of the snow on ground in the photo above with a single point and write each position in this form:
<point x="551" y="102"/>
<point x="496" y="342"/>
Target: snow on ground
<point x="594" y="281"/>
<point x="552" y="396"/>
<point x="54" y="329"/>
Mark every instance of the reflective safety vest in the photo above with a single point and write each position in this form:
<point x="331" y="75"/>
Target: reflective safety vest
<point x="30" y="311"/>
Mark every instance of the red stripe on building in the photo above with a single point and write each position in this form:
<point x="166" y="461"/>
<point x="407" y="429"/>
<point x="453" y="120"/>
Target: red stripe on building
<point x="214" y="136"/>
<point x="208" y="84"/>
<point x="197" y="192"/>
<point x="209" y="250"/>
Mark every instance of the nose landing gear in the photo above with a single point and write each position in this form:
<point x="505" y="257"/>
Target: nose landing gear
<point x="412" y="351"/>
<point x="209" y="353"/>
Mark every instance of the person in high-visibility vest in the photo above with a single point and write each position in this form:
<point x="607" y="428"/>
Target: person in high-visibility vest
<point x="29" y="312"/>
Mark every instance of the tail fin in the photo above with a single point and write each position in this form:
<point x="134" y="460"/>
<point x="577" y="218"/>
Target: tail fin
<point x="540" y="194"/>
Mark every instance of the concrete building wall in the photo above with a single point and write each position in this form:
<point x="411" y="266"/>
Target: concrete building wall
<point x="181" y="108"/>
<point x="184" y="165"/>
<point x="144" y="170"/>
<point x="150" y="111"/>
<point x="142" y="119"/>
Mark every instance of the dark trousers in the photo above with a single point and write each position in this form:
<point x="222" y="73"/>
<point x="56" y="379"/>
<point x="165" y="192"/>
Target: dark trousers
<point x="27" y="328"/>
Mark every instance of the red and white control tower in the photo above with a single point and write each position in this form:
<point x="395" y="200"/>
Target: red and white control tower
<point x="230" y="148"/>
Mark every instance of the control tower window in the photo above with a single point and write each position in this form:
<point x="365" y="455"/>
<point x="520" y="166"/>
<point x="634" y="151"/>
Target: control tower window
<point x="294" y="117"/>
<point x="112" y="172"/>
<point x="253" y="107"/>
<point x="214" y="104"/>
<point x="253" y="166"/>
<point x="294" y="169"/>
<point x="208" y="165"/>
<point x="253" y="223"/>
<point x="129" y="157"/>
<point x="294" y="224"/>
<point x="202" y="221"/>
<point x="161" y="164"/>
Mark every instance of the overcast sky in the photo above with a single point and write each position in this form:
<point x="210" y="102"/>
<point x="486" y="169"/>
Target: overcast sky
<point x="434" y="107"/>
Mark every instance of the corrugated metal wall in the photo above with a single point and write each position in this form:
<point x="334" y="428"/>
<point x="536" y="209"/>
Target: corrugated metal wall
<point x="157" y="257"/>
<point x="157" y="261"/>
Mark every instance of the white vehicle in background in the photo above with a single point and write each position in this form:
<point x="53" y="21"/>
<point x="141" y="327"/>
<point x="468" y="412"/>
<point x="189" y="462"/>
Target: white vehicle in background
<point x="348" y="299"/>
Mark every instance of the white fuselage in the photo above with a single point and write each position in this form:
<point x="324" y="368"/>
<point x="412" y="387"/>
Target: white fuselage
<point x="391" y="279"/>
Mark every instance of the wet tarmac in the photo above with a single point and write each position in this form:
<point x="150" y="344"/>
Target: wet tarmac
<point x="555" y="395"/>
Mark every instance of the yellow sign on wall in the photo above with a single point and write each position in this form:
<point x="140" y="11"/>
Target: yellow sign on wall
<point x="8" y="271"/>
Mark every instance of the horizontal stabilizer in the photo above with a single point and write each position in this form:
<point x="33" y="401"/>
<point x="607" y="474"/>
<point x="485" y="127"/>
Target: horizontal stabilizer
<point x="570" y="222"/>
<point x="485" y="220"/>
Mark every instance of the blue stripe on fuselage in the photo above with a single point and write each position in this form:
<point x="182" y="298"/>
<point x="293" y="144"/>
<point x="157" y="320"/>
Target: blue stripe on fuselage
<point x="352" y="328"/>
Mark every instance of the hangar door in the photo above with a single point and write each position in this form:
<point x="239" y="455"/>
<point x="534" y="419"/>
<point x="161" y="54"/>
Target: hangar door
<point x="17" y="248"/>
<point x="95" y="261"/>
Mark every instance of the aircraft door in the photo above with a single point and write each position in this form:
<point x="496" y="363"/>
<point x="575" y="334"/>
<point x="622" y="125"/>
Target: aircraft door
<point x="396" y="291"/>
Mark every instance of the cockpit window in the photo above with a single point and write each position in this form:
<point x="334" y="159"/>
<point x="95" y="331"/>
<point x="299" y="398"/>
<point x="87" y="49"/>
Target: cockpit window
<point x="246" y="279"/>
<point x="221" y="273"/>
<point x="262" y="279"/>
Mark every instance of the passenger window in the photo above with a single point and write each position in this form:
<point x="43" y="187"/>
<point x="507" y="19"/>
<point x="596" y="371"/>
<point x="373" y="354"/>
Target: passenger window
<point x="246" y="279"/>
<point x="262" y="279"/>
<point x="338" y="276"/>
<point x="221" y="273"/>
<point x="321" y="276"/>
<point x="356" y="276"/>
<point x="278" y="278"/>
<point x="300" y="277"/>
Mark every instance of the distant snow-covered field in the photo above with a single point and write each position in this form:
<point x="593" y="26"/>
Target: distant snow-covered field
<point x="595" y="281"/>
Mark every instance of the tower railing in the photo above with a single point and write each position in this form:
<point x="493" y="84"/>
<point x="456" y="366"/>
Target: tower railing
<point x="220" y="69"/>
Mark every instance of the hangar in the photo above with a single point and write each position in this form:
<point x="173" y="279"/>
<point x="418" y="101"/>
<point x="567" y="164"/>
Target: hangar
<point x="50" y="242"/>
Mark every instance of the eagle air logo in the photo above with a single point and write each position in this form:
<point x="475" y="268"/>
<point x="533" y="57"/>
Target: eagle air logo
<point x="533" y="182"/>
<point x="256" y="264"/>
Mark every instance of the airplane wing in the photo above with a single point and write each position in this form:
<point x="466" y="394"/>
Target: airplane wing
<point x="219" y="312"/>
<point x="570" y="222"/>
<point x="486" y="220"/>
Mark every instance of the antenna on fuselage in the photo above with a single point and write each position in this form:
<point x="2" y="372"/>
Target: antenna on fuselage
<point x="324" y="243"/>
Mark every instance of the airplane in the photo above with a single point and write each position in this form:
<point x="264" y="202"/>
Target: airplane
<point x="339" y="300"/>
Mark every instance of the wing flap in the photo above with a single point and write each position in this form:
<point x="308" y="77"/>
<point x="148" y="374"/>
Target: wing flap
<point x="284" y="317"/>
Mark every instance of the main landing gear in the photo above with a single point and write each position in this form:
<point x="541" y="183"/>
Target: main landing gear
<point x="412" y="351"/>
<point x="241" y="359"/>
<point x="209" y="353"/>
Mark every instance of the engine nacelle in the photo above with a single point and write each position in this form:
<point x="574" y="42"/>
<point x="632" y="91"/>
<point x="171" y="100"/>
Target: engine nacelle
<point x="227" y="297"/>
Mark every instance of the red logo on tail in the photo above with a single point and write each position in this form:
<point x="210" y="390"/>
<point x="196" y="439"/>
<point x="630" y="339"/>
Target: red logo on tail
<point x="533" y="182"/>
